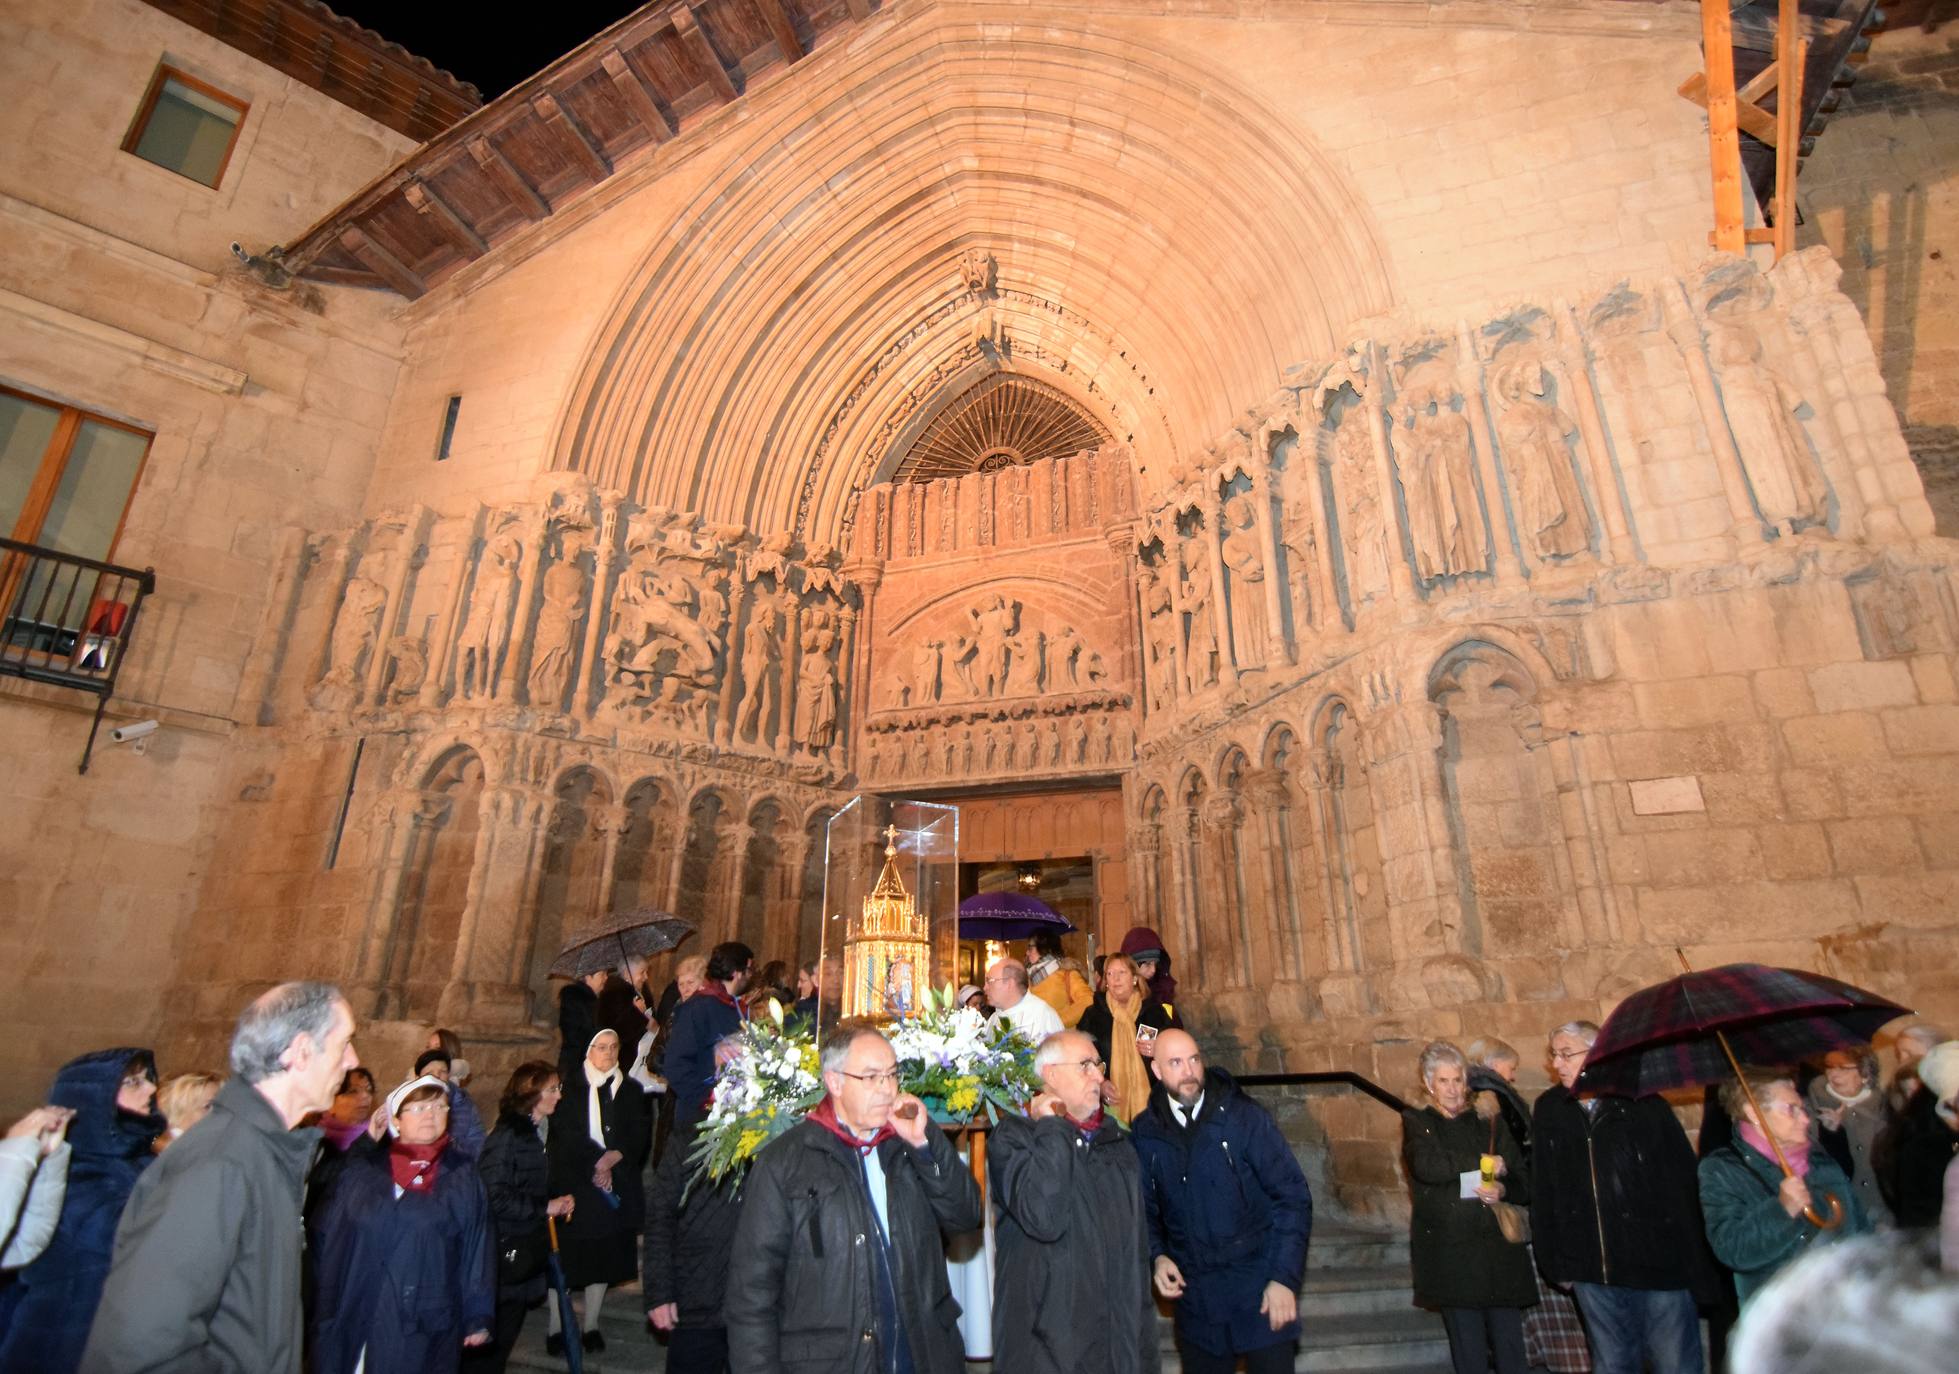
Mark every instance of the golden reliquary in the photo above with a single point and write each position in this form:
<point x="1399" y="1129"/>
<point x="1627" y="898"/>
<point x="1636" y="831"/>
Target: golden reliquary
<point x="886" y="950"/>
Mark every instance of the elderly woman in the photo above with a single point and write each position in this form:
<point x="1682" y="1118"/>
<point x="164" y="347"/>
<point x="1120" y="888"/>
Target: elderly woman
<point x="598" y="1147"/>
<point x="1847" y="1103"/>
<point x="1464" y="1267"/>
<point x="402" y="1262"/>
<point x="517" y="1176"/>
<point x="1123" y="1020"/>
<point x="184" y="1101"/>
<point x="113" y="1096"/>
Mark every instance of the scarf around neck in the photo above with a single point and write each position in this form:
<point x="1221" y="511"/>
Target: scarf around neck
<point x="594" y="1102"/>
<point x="1132" y="1080"/>
<point x="824" y="1114"/>
<point x="1798" y="1159"/>
<point x="414" y="1167"/>
<point x="1089" y="1127"/>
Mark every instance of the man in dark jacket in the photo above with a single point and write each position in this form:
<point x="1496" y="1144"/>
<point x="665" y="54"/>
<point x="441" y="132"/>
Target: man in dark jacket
<point x="578" y="1021"/>
<point x="206" y="1273"/>
<point x="839" y="1258"/>
<point x="1615" y="1213"/>
<point x="1072" y="1258"/>
<point x="702" y="1022"/>
<point x="1229" y="1214"/>
<point x="685" y="1256"/>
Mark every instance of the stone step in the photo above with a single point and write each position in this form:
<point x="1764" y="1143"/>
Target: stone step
<point x="1353" y="1247"/>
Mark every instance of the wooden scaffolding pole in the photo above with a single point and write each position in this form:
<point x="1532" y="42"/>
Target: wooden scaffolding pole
<point x="1723" y="135"/>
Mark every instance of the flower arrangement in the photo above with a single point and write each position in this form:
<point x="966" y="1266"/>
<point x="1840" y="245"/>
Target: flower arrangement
<point x="946" y="1058"/>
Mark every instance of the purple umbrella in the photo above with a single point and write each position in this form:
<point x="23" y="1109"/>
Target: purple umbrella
<point x="1008" y="916"/>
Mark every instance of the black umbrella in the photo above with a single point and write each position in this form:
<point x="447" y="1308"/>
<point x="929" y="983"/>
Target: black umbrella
<point x="567" y="1314"/>
<point x="624" y="935"/>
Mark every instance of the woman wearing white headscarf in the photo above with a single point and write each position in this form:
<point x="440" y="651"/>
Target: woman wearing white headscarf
<point x="598" y="1146"/>
<point x="403" y="1267"/>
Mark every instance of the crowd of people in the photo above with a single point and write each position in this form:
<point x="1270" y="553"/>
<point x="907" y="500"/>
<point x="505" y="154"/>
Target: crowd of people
<point x="1586" y="1232"/>
<point x="289" y="1217"/>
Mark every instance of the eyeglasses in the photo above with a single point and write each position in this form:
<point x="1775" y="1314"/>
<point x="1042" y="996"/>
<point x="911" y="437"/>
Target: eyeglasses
<point x="1085" y="1065"/>
<point x="885" y="1078"/>
<point x="428" y="1108"/>
<point x="1566" y="1056"/>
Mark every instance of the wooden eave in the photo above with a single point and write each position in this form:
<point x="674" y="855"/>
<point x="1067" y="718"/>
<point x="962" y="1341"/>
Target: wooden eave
<point x="546" y="142"/>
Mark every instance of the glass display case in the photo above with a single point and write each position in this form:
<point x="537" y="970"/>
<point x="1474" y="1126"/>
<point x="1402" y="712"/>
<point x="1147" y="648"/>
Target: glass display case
<point x="890" y="906"/>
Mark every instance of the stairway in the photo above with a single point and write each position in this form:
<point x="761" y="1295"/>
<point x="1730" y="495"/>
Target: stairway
<point x="1356" y="1306"/>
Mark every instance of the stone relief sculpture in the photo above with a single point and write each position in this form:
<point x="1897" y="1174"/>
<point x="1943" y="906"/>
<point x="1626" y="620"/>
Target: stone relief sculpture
<point x="1436" y="468"/>
<point x="761" y="672"/>
<point x="409" y="658"/>
<point x="554" y="646"/>
<point x="356" y="626"/>
<point x="1363" y="532"/>
<point x="664" y="646"/>
<point x="486" y="631"/>
<point x="1159" y="639"/>
<point x="1200" y="631"/>
<point x="1244" y="560"/>
<point x="1535" y="436"/>
<point x="1762" y="412"/>
<point x="992" y="632"/>
<point x="1026" y="664"/>
<point x="816" y="680"/>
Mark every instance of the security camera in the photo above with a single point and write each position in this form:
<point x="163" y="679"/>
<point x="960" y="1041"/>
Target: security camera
<point x="238" y="251"/>
<point x="129" y="734"/>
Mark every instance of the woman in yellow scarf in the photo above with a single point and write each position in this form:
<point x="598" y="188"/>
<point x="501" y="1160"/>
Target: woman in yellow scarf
<point x="1124" y="1022"/>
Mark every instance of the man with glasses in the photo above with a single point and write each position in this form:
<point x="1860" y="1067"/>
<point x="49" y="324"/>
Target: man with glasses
<point x="1071" y="1291"/>
<point x="1615" y="1215"/>
<point x="1014" y="1006"/>
<point x="839" y="1258"/>
<point x="1229" y="1213"/>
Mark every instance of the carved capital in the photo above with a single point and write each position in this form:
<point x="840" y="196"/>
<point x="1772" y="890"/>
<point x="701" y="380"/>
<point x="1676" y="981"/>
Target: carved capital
<point x="1222" y="812"/>
<point x="1266" y="788"/>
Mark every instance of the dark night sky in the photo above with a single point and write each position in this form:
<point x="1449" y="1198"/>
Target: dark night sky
<point x="493" y="48"/>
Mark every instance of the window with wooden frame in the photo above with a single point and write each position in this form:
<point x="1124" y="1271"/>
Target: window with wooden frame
<point x="66" y="477"/>
<point x="186" y="126"/>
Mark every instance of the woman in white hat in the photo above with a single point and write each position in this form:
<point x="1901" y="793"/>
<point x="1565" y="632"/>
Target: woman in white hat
<point x="598" y="1146"/>
<point x="404" y="1273"/>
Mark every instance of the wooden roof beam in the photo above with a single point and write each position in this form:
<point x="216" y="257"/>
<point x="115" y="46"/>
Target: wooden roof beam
<point x="1723" y="138"/>
<point x="783" y="25"/>
<point x="1749" y="117"/>
<point x="695" y="37"/>
<point x="571" y="138"/>
<point x="508" y="179"/>
<point x="638" y="94"/>
<point x="430" y="206"/>
<point x="382" y="263"/>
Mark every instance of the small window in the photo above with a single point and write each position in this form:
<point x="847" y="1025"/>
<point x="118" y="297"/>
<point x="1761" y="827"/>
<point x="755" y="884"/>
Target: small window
<point x="449" y="414"/>
<point x="186" y="126"/>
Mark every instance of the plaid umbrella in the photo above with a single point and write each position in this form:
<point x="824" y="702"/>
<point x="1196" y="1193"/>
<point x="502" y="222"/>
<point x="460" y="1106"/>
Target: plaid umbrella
<point x="632" y="934"/>
<point x="1671" y="1035"/>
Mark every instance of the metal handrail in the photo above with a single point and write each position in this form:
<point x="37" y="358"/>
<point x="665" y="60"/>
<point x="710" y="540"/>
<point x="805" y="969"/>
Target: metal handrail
<point x="67" y="621"/>
<point x="1343" y="1077"/>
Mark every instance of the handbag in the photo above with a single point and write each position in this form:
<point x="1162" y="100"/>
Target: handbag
<point x="1513" y="1221"/>
<point x="520" y="1258"/>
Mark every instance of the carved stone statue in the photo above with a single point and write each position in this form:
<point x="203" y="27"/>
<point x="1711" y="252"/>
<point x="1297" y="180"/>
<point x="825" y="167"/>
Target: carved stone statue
<point x="1201" y="632"/>
<point x="486" y="630"/>
<point x="410" y="657"/>
<point x="1775" y="450"/>
<point x="992" y="627"/>
<point x="1535" y="437"/>
<point x="1436" y="474"/>
<point x="926" y="672"/>
<point x="1158" y="639"/>
<point x="1026" y="663"/>
<point x="1362" y="529"/>
<point x="554" y="647"/>
<point x="761" y="668"/>
<point x="1244" y="561"/>
<point x="1066" y="663"/>
<point x="816" y="680"/>
<point x="355" y="628"/>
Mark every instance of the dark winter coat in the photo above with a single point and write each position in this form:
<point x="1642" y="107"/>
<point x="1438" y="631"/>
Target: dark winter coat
<point x="699" y="1024"/>
<point x="617" y="1014"/>
<point x="598" y="1234"/>
<point x="465" y="1124"/>
<point x="403" y="1278"/>
<point x="516" y="1177"/>
<point x="206" y="1276"/>
<point x="1140" y="939"/>
<point x="1071" y="1292"/>
<point x="109" y="1149"/>
<point x="1226" y="1201"/>
<point x="687" y="1245"/>
<point x="802" y="1286"/>
<point x="1751" y="1234"/>
<point x="1460" y="1256"/>
<point x="1099" y="1023"/>
<point x="1642" y="1227"/>
<point x="1910" y="1156"/>
<point x="1516" y="1111"/>
<point x="578" y="1022"/>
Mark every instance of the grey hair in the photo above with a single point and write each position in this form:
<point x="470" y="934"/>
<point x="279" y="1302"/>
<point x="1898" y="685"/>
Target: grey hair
<point x="1577" y="1030"/>
<point x="1875" y="1303"/>
<point x="1014" y="970"/>
<point x="1054" y="1048"/>
<point x="268" y="1027"/>
<point x="836" y="1045"/>
<point x="1435" y="1054"/>
<point x="1922" y="1033"/>
<point x="1490" y="1051"/>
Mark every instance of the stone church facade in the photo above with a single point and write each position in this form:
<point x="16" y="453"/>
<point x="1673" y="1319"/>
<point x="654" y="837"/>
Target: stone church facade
<point x="1359" y="513"/>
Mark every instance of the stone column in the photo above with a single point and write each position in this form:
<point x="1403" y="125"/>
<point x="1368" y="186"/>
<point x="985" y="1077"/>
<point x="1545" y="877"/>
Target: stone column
<point x="1415" y="845"/>
<point x="405" y="817"/>
<point x="1685" y="331"/>
<point x="613" y="824"/>
<point x="1270" y="801"/>
<point x="1577" y="368"/>
<point x="1221" y="819"/>
<point x="1325" y="819"/>
<point x="1469" y="380"/>
<point x="785" y="928"/>
<point x="255" y="684"/>
<point x="1268" y="539"/>
<point x="1121" y="539"/>
<point x="1183" y="911"/>
<point x="588" y="682"/>
<point x="499" y="908"/>
<point x="534" y="539"/>
<point x="847" y="685"/>
<point x="1401" y="576"/>
<point x="441" y="668"/>
<point x="731" y="861"/>
<point x="1145" y="848"/>
<point x="865" y="574"/>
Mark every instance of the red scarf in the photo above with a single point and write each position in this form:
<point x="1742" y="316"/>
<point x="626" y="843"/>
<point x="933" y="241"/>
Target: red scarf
<point x="1088" y="1127"/>
<point x="824" y="1114"/>
<point x="719" y="992"/>
<point x="1757" y="1141"/>
<point x="415" y="1166"/>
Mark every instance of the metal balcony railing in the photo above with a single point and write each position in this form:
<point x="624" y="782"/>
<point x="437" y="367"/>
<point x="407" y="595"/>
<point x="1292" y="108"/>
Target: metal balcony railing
<point x="68" y="621"/>
<point x="1345" y="1078"/>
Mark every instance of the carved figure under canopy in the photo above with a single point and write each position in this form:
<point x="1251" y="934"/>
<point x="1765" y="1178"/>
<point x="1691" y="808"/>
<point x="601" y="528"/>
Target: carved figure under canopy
<point x="1026" y="666"/>
<point x="1436" y="476"/>
<point x="1201" y="632"/>
<point x="486" y="629"/>
<point x="1363" y="533"/>
<point x="1775" y="451"/>
<point x="1158" y="638"/>
<point x="354" y="633"/>
<point x="1534" y="435"/>
<point x="554" y="647"/>
<point x="760" y="669"/>
<point x="816" y="681"/>
<point x="1244" y="561"/>
<point x="993" y="627"/>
